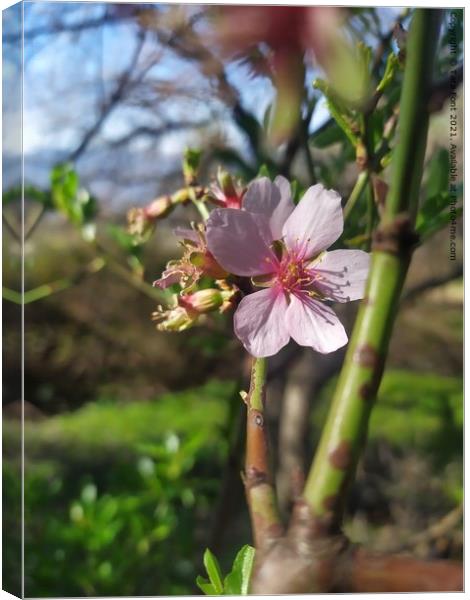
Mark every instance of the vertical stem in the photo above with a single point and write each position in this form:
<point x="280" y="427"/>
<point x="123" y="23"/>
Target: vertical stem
<point x="260" y="492"/>
<point x="356" y="192"/>
<point x="345" y="431"/>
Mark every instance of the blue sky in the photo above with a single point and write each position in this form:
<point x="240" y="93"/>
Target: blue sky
<point x="67" y="75"/>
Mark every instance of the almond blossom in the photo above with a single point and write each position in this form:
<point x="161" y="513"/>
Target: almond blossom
<point x="282" y="247"/>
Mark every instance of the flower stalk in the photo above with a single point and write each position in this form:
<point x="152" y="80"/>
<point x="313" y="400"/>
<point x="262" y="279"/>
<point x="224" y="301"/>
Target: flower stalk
<point x="345" y="431"/>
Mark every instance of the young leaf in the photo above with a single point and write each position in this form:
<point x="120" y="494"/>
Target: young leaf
<point x="238" y="580"/>
<point x="205" y="586"/>
<point x="390" y="68"/>
<point x="338" y="110"/>
<point x="213" y="570"/>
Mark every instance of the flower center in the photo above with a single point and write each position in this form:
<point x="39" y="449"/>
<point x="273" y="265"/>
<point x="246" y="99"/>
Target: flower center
<point x="292" y="275"/>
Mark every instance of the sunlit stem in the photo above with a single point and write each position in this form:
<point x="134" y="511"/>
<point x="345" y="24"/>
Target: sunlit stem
<point x="356" y="193"/>
<point x="259" y="486"/>
<point x="345" y="431"/>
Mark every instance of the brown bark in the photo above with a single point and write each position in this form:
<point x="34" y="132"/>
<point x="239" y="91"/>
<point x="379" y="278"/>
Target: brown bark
<point x="375" y="573"/>
<point x="307" y="559"/>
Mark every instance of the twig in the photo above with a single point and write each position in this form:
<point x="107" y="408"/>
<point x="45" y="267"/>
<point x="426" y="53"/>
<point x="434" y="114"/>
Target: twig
<point x="114" y="99"/>
<point x="59" y="285"/>
<point x="429" y="284"/>
<point x="259" y="486"/>
<point x="359" y="186"/>
<point x="436" y="530"/>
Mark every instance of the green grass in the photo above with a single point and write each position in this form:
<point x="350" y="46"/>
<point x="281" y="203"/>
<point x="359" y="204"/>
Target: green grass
<point x="105" y="426"/>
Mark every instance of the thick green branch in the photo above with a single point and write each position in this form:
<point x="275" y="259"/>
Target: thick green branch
<point x="346" y="427"/>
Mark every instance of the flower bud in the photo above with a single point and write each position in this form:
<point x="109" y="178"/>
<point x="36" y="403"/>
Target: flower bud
<point x="141" y="221"/>
<point x="159" y="208"/>
<point x="225" y="192"/>
<point x="204" y="301"/>
<point x="175" y="319"/>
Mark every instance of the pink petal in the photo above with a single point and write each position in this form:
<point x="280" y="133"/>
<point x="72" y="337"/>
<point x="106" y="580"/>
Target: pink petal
<point x="168" y="278"/>
<point x="273" y="200"/>
<point x="259" y="322"/>
<point x="312" y="323"/>
<point x="316" y="222"/>
<point x="343" y="274"/>
<point x="237" y="241"/>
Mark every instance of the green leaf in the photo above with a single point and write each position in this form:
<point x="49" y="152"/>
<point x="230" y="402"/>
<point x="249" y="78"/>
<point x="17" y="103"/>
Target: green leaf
<point x="438" y="169"/>
<point x="213" y="570"/>
<point x="433" y="225"/>
<point x="389" y="73"/>
<point x="237" y="581"/>
<point x="431" y="208"/>
<point x="68" y="198"/>
<point x="340" y="113"/>
<point x="205" y="586"/>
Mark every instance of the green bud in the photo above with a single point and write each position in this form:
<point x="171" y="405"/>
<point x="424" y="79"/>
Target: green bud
<point x="225" y="181"/>
<point x="191" y="163"/>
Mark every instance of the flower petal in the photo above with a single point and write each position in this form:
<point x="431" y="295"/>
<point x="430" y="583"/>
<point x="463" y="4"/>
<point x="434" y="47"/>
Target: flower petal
<point x="341" y="274"/>
<point x="273" y="200"/>
<point x="169" y="277"/>
<point x="312" y="323"/>
<point x="237" y="241"/>
<point x="259" y="322"/>
<point x="316" y="222"/>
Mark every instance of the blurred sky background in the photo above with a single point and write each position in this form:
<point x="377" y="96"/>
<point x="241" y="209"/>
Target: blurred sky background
<point x="71" y="72"/>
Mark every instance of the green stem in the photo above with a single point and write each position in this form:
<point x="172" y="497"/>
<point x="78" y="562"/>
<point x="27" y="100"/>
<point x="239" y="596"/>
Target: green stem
<point x="371" y="212"/>
<point x="199" y="204"/>
<point x="346" y="428"/>
<point x="258" y="383"/>
<point x="259" y="485"/>
<point x="48" y="289"/>
<point x="356" y="192"/>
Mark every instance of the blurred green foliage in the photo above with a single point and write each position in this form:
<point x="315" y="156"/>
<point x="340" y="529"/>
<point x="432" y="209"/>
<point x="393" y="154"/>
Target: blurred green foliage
<point x="72" y="200"/>
<point x="119" y="498"/>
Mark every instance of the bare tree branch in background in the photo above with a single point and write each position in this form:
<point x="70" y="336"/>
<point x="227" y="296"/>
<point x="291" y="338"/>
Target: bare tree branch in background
<point x="125" y="81"/>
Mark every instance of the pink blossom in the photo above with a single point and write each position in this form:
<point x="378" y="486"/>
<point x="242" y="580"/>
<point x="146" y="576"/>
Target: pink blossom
<point x="282" y="248"/>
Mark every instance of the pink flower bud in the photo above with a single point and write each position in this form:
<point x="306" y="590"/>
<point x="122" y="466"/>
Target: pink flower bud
<point x="205" y="301"/>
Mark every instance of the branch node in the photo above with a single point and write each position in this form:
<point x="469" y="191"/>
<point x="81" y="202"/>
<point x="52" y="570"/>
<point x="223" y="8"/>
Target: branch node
<point x="397" y="237"/>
